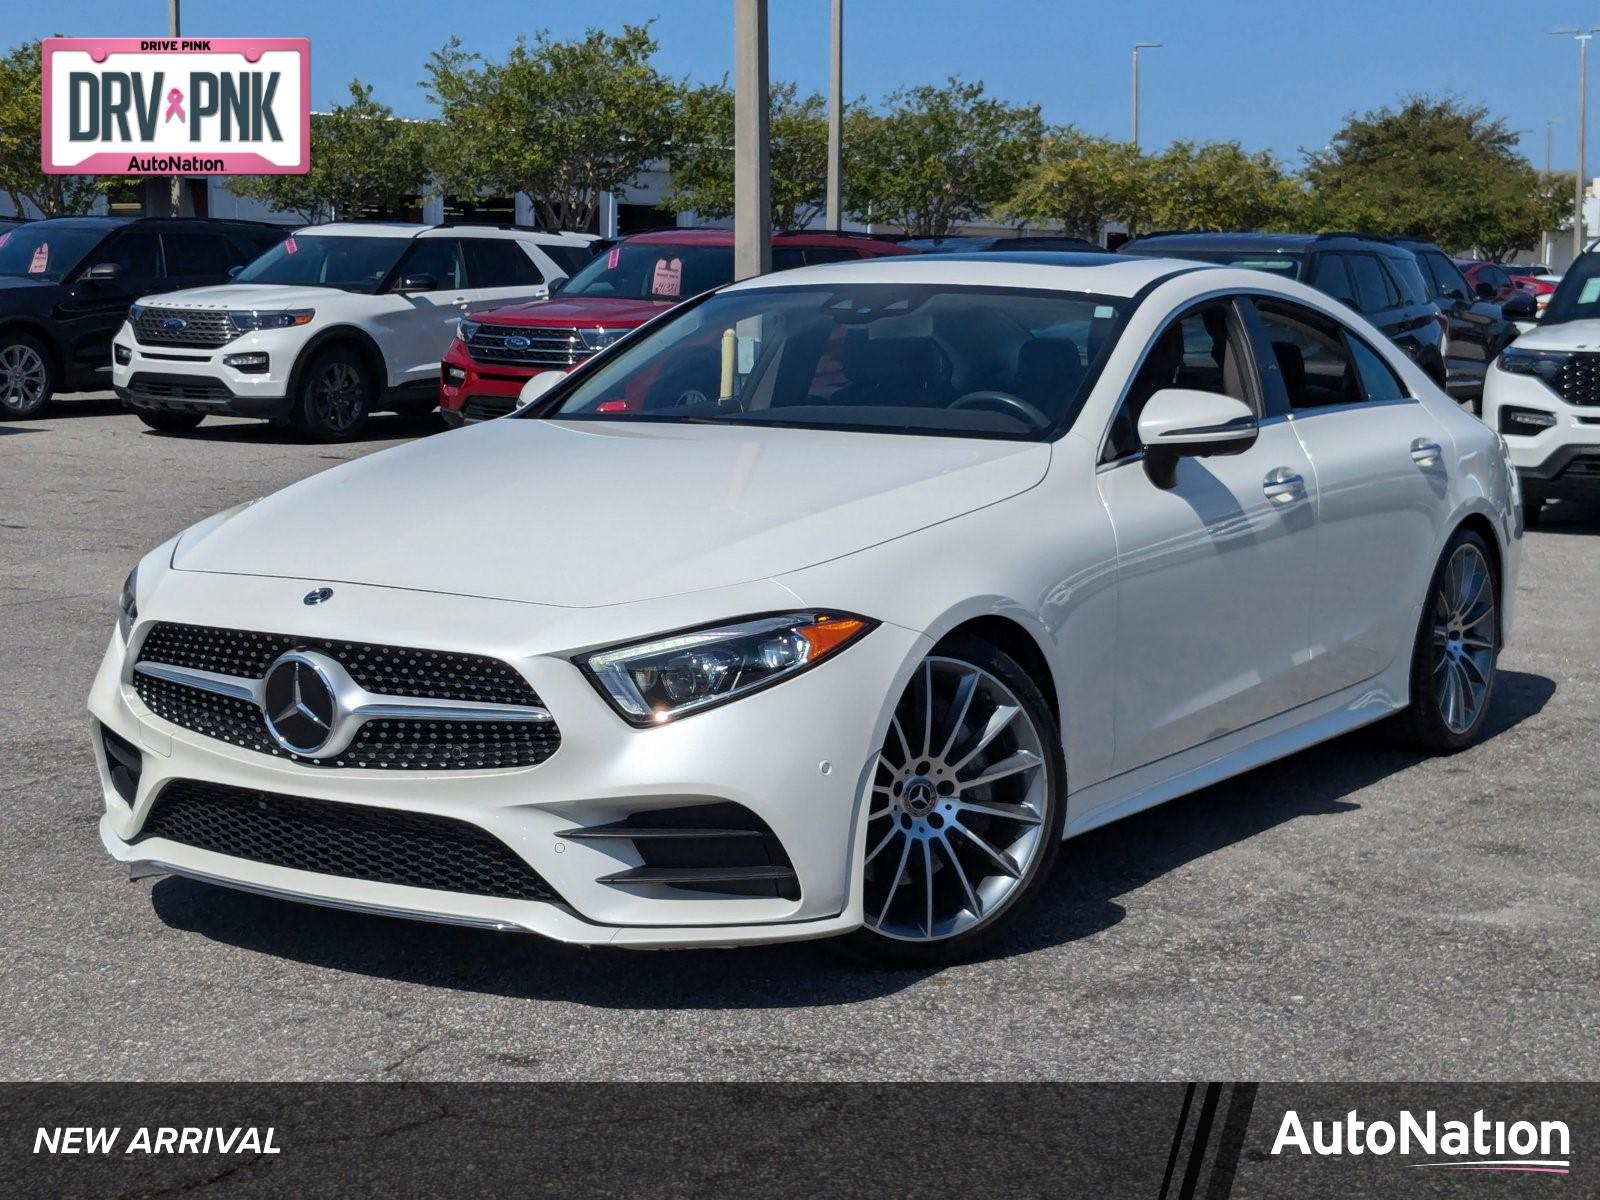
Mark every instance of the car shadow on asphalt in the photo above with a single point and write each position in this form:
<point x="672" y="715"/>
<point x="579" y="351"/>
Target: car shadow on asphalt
<point x="380" y="427"/>
<point x="1085" y="897"/>
<point x="1569" y="517"/>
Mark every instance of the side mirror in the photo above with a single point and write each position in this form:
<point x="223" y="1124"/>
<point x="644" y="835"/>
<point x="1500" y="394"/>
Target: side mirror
<point x="418" y="283"/>
<point x="556" y="284"/>
<point x="538" y="386"/>
<point x="1484" y="289"/>
<point x="1181" y="422"/>
<point x="1521" y="307"/>
<point x="102" y="272"/>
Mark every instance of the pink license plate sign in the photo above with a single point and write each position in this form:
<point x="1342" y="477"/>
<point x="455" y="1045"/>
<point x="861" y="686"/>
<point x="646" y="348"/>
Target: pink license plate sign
<point x="177" y="106"/>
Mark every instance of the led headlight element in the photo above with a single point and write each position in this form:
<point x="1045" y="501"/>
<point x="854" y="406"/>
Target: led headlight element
<point x="599" y="339"/>
<point x="1542" y="364"/>
<point x="465" y="329"/>
<point x="128" y="604"/>
<point x="681" y="673"/>
<point x="251" y="320"/>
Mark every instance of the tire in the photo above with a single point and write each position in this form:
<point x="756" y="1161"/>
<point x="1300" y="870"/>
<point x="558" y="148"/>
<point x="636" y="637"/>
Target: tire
<point x="170" y="422"/>
<point x="963" y="825"/>
<point x="27" y="378"/>
<point x="1457" y="648"/>
<point x="334" y="397"/>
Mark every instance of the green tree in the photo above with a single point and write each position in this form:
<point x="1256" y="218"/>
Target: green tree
<point x="939" y="156"/>
<point x="702" y="155"/>
<point x="1432" y="166"/>
<point x="20" y="148"/>
<point x="1218" y="185"/>
<point x="1081" y="182"/>
<point x="362" y="156"/>
<point x="561" y="121"/>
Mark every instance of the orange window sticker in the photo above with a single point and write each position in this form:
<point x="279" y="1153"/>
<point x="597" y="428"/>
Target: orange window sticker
<point x="668" y="277"/>
<point x="41" y="259"/>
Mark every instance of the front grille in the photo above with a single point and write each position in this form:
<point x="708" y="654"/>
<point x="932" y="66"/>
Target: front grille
<point x="351" y="841"/>
<point x="204" y="328"/>
<point x="1578" y="381"/>
<point x="487" y="408"/>
<point x="544" y="347"/>
<point x="144" y="386"/>
<point x="405" y="745"/>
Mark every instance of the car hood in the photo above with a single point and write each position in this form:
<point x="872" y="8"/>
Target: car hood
<point x="586" y="513"/>
<point x="244" y="295"/>
<point x="578" y="312"/>
<point x="1567" y="335"/>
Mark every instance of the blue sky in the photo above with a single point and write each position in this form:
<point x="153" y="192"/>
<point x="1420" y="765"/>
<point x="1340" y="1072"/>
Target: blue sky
<point x="1278" y="76"/>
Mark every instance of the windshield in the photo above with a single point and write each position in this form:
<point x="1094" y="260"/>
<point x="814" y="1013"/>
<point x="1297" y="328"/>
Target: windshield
<point x="1577" y="296"/>
<point x="653" y="271"/>
<point x="935" y="359"/>
<point x="353" y="264"/>
<point x="46" y="252"/>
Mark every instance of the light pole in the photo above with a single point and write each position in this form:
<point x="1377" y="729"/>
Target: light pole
<point x="1138" y="46"/>
<point x="752" y="179"/>
<point x="1544" y="237"/>
<point x="1581" y="36"/>
<point x="836" y="119"/>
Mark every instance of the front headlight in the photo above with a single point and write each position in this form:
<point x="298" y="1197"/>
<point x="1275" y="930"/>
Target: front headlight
<point x="465" y="329"/>
<point x="599" y="339"/>
<point x="681" y="673"/>
<point x="128" y="604"/>
<point x="135" y="311"/>
<point x="253" y="320"/>
<point x="1542" y="364"/>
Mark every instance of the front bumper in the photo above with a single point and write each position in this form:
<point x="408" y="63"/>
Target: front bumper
<point x="1557" y="461"/>
<point x="797" y="755"/>
<point x="174" y="379"/>
<point x="472" y="391"/>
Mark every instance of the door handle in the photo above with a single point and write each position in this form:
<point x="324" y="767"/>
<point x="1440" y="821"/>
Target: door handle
<point x="1283" y="486"/>
<point x="1425" y="453"/>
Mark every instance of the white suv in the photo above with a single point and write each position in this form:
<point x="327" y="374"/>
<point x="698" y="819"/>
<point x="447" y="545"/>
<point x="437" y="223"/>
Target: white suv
<point x="333" y="323"/>
<point x="1543" y="395"/>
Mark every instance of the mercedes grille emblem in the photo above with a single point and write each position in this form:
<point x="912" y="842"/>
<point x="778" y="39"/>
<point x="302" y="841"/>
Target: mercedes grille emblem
<point x="299" y="704"/>
<point x="318" y="595"/>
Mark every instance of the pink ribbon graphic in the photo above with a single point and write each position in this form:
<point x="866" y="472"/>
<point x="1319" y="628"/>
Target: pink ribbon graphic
<point x="175" y="105"/>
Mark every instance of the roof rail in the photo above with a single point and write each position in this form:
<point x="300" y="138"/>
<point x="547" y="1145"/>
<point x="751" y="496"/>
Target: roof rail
<point x="852" y="233"/>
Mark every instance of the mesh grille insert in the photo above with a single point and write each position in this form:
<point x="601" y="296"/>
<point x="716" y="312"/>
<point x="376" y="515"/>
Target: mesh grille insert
<point x="350" y="841"/>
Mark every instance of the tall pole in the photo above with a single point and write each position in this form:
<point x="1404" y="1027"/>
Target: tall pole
<point x="175" y="184"/>
<point x="836" y="119"/>
<point x="1582" y="37"/>
<point x="752" y="178"/>
<point x="1138" y="46"/>
<point x="1544" y="238"/>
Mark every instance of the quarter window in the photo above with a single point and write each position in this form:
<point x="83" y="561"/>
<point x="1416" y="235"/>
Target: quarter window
<point x="1378" y="380"/>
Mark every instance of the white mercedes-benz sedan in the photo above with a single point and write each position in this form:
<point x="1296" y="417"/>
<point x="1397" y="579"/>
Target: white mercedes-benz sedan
<point x="829" y="602"/>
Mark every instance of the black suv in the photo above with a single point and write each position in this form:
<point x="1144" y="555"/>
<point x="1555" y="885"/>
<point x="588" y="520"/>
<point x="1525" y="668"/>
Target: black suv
<point x="66" y="283"/>
<point x="1379" y="279"/>
<point x="1479" y="328"/>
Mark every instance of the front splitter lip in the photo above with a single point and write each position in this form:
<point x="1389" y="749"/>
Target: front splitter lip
<point x="159" y="856"/>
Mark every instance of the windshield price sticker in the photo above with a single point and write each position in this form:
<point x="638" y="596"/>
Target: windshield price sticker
<point x="668" y="277"/>
<point x="41" y="260"/>
<point x="170" y="106"/>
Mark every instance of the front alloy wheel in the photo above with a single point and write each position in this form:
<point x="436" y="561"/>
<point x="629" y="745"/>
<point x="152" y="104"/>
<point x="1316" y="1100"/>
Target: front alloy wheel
<point x="336" y="396"/>
<point x="965" y="809"/>
<point x="24" y="378"/>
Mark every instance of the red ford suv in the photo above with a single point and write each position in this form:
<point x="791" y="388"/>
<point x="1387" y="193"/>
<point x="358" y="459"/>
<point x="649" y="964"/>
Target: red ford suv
<point x="496" y="351"/>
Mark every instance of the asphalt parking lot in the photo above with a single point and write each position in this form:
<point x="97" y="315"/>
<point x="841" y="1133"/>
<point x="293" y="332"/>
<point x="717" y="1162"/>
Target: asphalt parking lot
<point x="1352" y="913"/>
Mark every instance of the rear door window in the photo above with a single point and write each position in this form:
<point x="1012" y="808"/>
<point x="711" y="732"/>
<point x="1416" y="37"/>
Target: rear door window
<point x="499" y="263"/>
<point x="1408" y="275"/>
<point x="1374" y="291"/>
<point x="1447" y="281"/>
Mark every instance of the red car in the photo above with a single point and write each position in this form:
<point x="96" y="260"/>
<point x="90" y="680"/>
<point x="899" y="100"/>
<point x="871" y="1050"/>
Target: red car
<point x="1489" y="280"/>
<point x="495" y="352"/>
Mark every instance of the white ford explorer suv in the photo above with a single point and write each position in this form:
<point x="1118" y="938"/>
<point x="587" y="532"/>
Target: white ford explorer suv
<point x="333" y="323"/>
<point x="1543" y="395"/>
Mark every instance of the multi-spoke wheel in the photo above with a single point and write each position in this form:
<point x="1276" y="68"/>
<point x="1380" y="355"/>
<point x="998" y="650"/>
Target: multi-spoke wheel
<point x="965" y="808"/>
<point x="25" y="382"/>
<point x="335" y="396"/>
<point x="1453" y="665"/>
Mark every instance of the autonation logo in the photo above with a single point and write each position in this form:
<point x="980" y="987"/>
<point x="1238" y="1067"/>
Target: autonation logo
<point x="1476" y="1145"/>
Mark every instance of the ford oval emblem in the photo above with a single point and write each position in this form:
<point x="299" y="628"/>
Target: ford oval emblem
<point x="318" y="595"/>
<point x="174" y="323"/>
<point x="517" y="342"/>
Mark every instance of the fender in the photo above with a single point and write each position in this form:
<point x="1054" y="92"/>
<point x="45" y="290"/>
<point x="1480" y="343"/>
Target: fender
<point x="352" y="334"/>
